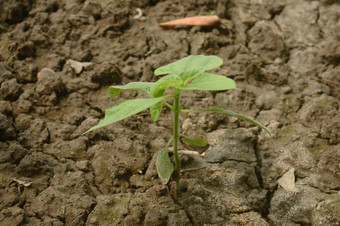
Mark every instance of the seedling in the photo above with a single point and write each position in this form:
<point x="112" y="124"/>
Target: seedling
<point x="185" y="74"/>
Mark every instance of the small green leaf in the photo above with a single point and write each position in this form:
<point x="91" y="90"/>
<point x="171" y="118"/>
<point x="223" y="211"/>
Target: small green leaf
<point x="158" y="90"/>
<point x="155" y="111"/>
<point x="209" y="81"/>
<point x="125" y="109"/>
<point x="191" y="64"/>
<point x="63" y="209"/>
<point x="164" y="166"/>
<point x="141" y="86"/>
<point x="162" y="84"/>
<point x="231" y="113"/>
<point x="195" y="142"/>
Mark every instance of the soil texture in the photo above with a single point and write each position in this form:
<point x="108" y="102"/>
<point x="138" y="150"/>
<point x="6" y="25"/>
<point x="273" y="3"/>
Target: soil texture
<point x="58" y="59"/>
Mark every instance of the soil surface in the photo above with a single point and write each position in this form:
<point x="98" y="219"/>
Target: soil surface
<point x="58" y="58"/>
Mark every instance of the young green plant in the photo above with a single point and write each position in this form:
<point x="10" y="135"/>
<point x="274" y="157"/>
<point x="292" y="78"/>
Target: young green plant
<point x="188" y="73"/>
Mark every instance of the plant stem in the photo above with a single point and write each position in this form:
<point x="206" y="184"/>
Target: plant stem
<point x="176" y="110"/>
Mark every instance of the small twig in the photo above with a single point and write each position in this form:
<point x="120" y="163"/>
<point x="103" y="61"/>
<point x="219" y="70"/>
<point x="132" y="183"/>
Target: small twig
<point x="228" y="29"/>
<point x="187" y="152"/>
<point x="327" y="81"/>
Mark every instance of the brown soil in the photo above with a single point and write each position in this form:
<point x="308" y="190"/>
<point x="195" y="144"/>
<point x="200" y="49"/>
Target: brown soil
<point x="284" y="57"/>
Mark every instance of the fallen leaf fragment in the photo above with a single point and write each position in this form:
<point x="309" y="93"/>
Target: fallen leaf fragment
<point x="204" y="21"/>
<point x="139" y="15"/>
<point x="23" y="182"/>
<point x="287" y="181"/>
<point x="76" y="66"/>
<point x="88" y="65"/>
<point x="79" y="66"/>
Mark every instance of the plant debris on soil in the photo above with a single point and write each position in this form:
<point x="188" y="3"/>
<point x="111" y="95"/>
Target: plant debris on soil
<point x="58" y="59"/>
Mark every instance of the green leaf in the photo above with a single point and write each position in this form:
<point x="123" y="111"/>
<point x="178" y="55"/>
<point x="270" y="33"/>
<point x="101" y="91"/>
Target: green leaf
<point x="209" y="81"/>
<point x="141" y="86"/>
<point x="155" y="111"/>
<point x="195" y="142"/>
<point x="158" y="90"/>
<point x="163" y="165"/>
<point x="125" y="109"/>
<point x="192" y="64"/>
<point x="231" y="113"/>
<point x="162" y="84"/>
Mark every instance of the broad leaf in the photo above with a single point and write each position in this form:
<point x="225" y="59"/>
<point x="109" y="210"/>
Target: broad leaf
<point x="209" y="81"/>
<point x="141" y="86"/>
<point x="159" y="87"/>
<point x="164" y="166"/>
<point x="158" y="90"/>
<point x="231" y="113"/>
<point x="155" y="111"/>
<point x="191" y="64"/>
<point x="125" y="109"/>
<point x="195" y="142"/>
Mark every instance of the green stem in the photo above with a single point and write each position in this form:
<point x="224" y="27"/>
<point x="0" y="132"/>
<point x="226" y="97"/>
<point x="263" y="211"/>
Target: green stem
<point x="168" y="105"/>
<point x="176" y="110"/>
